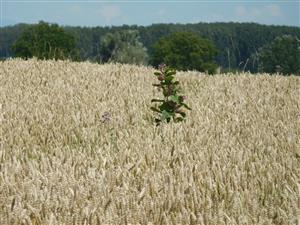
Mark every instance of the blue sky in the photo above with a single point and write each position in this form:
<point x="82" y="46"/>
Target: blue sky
<point x="107" y="13"/>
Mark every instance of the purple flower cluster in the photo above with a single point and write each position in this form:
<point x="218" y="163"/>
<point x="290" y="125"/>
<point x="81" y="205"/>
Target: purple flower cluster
<point x="162" y="66"/>
<point x="105" y="117"/>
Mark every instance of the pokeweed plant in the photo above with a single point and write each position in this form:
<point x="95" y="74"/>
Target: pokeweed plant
<point x="171" y="106"/>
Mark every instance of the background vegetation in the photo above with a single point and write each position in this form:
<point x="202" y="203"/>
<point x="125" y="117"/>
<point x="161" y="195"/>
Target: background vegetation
<point x="237" y="43"/>
<point x="281" y="56"/>
<point x="44" y="41"/>
<point x="123" y="47"/>
<point x="185" y="51"/>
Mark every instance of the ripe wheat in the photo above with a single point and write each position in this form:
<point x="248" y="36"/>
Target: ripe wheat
<point x="78" y="146"/>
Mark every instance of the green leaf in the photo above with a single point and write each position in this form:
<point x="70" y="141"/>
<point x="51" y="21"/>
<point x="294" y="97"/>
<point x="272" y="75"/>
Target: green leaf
<point x="183" y="114"/>
<point x="157" y="73"/>
<point x="157" y="120"/>
<point x="166" y="106"/>
<point x="154" y="109"/>
<point x="174" y="98"/>
<point x="165" y="115"/>
<point x="157" y="100"/>
<point x="170" y="72"/>
<point x="165" y="92"/>
<point x="169" y="79"/>
<point x="186" y="106"/>
<point x="178" y="119"/>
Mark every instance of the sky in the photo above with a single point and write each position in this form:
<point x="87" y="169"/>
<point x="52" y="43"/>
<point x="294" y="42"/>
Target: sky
<point x="146" y="12"/>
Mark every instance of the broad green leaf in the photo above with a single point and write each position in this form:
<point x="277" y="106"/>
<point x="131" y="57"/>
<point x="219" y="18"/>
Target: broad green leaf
<point x="157" y="73"/>
<point x="174" y="98"/>
<point x="157" y="100"/>
<point x="169" y="79"/>
<point x="166" y="106"/>
<point x="165" y="115"/>
<point x="170" y="72"/>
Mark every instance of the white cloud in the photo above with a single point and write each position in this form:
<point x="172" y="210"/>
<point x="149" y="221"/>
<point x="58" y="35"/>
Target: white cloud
<point x="241" y="11"/>
<point x="110" y="12"/>
<point x="252" y="13"/>
<point x="274" y="10"/>
<point x="162" y="12"/>
<point x="255" y="12"/>
<point x="76" y="9"/>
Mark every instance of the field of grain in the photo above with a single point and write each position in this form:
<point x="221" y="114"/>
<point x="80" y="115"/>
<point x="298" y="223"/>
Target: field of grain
<point x="78" y="146"/>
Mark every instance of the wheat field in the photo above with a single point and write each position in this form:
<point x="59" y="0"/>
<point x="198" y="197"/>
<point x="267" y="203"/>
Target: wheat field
<point x="78" y="146"/>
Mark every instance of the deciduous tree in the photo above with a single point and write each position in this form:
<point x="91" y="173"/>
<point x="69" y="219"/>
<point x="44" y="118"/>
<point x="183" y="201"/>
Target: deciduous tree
<point x="44" y="41"/>
<point x="282" y="56"/>
<point x="185" y="51"/>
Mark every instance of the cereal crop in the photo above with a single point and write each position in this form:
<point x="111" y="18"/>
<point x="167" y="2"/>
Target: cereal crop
<point x="78" y="145"/>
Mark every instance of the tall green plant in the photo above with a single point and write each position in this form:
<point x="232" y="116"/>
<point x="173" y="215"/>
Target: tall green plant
<point x="171" y="106"/>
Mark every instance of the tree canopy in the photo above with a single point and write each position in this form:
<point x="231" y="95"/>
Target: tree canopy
<point x="236" y="42"/>
<point x="123" y="47"/>
<point x="185" y="51"/>
<point x="44" y="41"/>
<point x="281" y="56"/>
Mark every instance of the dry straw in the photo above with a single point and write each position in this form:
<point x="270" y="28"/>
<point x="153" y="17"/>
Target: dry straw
<point x="78" y="146"/>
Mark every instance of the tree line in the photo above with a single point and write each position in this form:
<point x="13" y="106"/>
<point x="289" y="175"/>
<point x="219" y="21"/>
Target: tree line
<point x="201" y="46"/>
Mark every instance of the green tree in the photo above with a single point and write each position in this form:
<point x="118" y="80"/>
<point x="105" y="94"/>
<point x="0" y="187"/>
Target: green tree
<point x="123" y="47"/>
<point x="237" y="43"/>
<point x="281" y="56"/>
<point x="44" y="41"/>
<point x="185" y="51"/>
